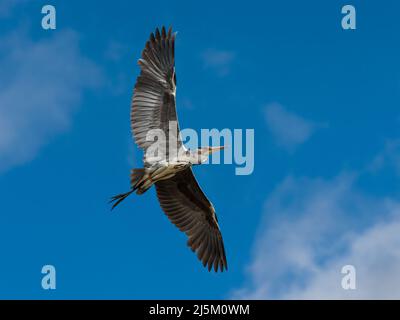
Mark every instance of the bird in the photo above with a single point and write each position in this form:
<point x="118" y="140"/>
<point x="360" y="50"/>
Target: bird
<point x="169" y="169"/>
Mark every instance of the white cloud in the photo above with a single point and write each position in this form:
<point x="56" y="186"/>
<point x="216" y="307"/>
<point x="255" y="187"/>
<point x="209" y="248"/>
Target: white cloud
<point x="218" y="60"/>
<point x="375" y="254"/>
<point x="288" y="129"/>
<point x="313" y="227"/>
<point x="42" y="83"/>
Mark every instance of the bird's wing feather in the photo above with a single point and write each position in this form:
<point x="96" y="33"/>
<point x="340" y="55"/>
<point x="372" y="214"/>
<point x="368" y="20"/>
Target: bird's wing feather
<point x="188" y="208"/>
<point x="153" y="102"/>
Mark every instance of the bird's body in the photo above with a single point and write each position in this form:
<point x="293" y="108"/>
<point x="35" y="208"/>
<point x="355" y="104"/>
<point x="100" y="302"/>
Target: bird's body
<point x="160" y="171"/>
<point x="167" y="163"/>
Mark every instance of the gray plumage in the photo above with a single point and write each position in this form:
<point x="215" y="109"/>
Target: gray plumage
<point x="180" y="196"/>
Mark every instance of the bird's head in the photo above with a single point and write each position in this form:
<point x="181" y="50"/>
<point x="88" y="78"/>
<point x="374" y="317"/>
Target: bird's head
<point x="202" y="154"/>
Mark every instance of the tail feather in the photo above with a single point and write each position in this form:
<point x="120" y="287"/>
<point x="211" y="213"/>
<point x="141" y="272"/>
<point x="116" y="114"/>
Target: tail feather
<point x="119" y="197"/>
<point x="136" y="177"/>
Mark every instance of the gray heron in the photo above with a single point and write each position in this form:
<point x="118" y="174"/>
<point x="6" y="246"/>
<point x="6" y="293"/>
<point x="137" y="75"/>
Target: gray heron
<point x="170" y="170"/>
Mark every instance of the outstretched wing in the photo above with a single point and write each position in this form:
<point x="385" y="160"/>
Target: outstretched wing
<point x="188" y="208"/>
<point x="153" y="103"/>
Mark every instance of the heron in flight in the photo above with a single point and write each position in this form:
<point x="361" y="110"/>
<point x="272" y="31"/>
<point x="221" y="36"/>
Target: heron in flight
<point x="180" y="196"/>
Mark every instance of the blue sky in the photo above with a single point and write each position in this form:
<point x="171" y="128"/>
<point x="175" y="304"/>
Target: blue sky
<point x="325" y="106"/>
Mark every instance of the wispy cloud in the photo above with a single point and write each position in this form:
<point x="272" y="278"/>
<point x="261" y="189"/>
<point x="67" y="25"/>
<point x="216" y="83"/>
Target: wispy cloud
<point x="288" y="129"/>
<point x="115" y="50"/>
<point x="389" y="157"/>
<point x="42" y="85"/>
<point x="313" y="227"/>
<point x="186" y="103"/>
<point x="218" y="60"/>
<point x="7" y="6"/>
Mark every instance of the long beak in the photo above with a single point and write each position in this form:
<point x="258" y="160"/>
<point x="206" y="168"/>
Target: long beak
<point x="213" y="149"/>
